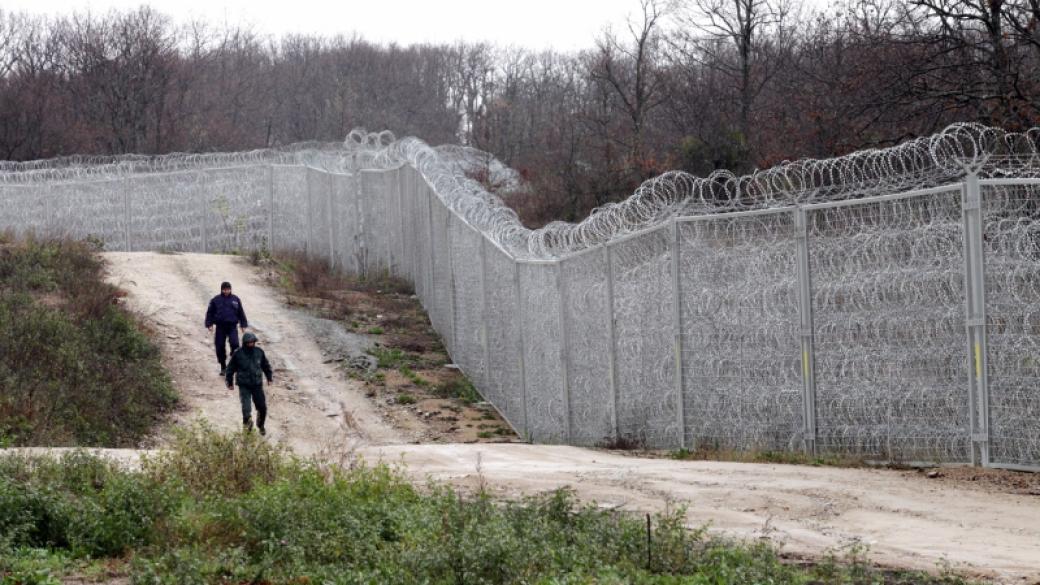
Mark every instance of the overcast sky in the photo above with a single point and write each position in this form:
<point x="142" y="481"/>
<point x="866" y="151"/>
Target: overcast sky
<point x="562" y="24"/>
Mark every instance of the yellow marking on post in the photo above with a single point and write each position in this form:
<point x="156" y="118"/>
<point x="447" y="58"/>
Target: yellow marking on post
<point x="805" y="363"/>
<point x="978" y="361"/>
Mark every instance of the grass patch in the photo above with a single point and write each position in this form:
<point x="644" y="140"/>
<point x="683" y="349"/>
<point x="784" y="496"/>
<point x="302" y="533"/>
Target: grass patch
<point x="406" y="399"/>
<point x="767" y="456"/>
<point x="413" y="377"/>
<point x="459" y="388"/>
<point x="375" y="330"/>
<point x="191" y="517"/>
<point x="75" y="367"/>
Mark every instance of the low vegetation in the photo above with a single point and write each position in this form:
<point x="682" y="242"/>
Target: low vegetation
<point x="75" y="367"/>
<point x="233" y="509"/>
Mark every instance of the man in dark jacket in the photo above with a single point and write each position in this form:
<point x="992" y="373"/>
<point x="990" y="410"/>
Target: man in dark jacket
<point x="225" y="313"/>
<point x="250" y="364"/>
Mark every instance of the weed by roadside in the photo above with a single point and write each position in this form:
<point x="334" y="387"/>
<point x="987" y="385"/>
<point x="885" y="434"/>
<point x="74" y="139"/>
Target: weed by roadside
<point x="189" y="518"/>
<point x="768" y="456"/>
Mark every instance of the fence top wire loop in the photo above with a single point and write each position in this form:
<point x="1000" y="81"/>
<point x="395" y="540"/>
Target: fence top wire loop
<point x="920" y="163"/>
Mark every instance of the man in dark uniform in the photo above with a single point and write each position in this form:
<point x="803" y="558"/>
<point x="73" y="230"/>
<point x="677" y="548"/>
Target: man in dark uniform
<point x="250" y="364"/>
<point x="225" y="313"/>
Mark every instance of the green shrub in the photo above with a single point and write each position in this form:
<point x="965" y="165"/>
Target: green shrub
<point x="460" y="388"/>
<point x="225" y="509"/>
<point x="206" y="462"/>
<point x="76" y="368"/>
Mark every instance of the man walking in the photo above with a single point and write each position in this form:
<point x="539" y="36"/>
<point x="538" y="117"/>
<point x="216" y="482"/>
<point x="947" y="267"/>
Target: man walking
<point x="225" y="313"/>
<point x="250" y="364"/>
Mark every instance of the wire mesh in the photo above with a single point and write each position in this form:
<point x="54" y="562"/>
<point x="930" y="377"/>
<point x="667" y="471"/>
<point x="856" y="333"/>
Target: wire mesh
<point x="543" y="358"/>
<point x="589" y="346"/>
<point x="1012" y="251"/>
<point x="505" y="385"/>
<point x="575" y="340"/>
<point x="645" y="329"/>
<point x="290" y="207"/>
<point x="890" y="338"/>
<point x="741" y="347"/>
<point x="467" y="270"/>
<point x="96" y="210"/>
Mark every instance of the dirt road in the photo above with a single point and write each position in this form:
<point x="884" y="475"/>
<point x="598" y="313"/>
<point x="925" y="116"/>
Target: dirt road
<point x="313" y="406"/>
<point x="906" y="520"/>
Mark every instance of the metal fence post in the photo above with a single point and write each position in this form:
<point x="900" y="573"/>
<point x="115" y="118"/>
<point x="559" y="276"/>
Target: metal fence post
<point x="330" y="219"/>
<point x="270" y="208"/>
<point x="429" y="228"/>
<point x="975" y="300"/>
<point x="484" y="310"/>
<point x="205" y="212"/>
<point x="126" y="212"/>
<point x="561" y="287"/>
<point x="523" y="368"/>
<point x="801" y="227"/>
<point x="359" y="198"/>
<point x="677" y="312"/>
<point x="310" y="222"/>
<point x="454" y="305"/>
<point x="612" y="353"/>
<point x="404" y="258"/>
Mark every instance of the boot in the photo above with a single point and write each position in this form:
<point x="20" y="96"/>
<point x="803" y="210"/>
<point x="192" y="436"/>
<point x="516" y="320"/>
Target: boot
<point x="247" y="425"/>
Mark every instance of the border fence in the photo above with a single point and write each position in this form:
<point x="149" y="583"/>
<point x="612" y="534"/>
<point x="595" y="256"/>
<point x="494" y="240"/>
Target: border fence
<point x="883" y="305"/>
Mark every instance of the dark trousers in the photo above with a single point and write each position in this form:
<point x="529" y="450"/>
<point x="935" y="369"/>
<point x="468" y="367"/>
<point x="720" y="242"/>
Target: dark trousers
<point x="256" y="395"/>
<point x="225" y="333"/>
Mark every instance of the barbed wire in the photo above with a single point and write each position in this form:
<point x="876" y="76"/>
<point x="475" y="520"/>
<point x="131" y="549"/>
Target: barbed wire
<point x="919" y="163"/>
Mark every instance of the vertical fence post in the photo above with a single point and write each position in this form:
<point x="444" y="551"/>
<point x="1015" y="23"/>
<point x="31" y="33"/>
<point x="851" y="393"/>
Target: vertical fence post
<point x="430" y="197"/>
<point x="561" y="287"/>
<point x="270" y="207"/>
<point x="126" y="212"/>
<point x="975" y="298"/>
<point x="486" y="347"/>
<point x="359" y="198"/>
<point x="523" y="365"/>
<point x="612" y="353"/>
<point x="330" y="219"/>
<point x="454" y="305"/>
<point x="677" y="312"/>
<point x="399" y="174"/>
<point x="310" y="222"/>
<point x="205" y="212"/>
<point x="804" y="282"/>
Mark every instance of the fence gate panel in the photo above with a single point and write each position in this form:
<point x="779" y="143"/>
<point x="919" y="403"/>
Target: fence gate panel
<point x="741" y="348"/>
<point x="891" y="352"/>
<point x="1011" y="223"/>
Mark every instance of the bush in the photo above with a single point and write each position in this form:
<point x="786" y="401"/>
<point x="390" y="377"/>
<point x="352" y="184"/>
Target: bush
<point x="206" y="462"/>
<point x="460" y="388"/>
<point x="226" y="509"/>
<point x="75" y="368"/>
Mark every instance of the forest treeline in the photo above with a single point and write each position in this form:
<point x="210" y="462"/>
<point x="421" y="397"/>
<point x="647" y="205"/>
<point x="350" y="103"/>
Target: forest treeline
<point x="696" y="85"/>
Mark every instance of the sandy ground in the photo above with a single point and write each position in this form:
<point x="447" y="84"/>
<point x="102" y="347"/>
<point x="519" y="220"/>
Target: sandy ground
<point x="906" y="520"/>
<point x="312" y="406"/>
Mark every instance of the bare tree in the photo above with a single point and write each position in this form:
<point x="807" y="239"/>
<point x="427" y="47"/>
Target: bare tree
<point x="629" y="71"/>
<point x="746" y="40"/>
